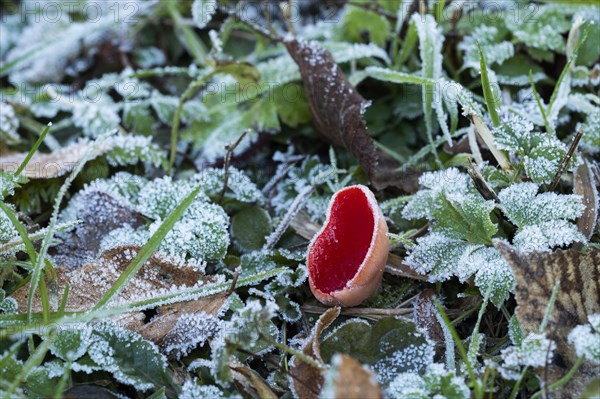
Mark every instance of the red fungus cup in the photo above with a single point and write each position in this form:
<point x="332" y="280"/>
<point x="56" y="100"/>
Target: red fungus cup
<point x="346" y="258"/>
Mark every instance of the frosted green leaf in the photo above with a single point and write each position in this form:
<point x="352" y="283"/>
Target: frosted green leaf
<point x="585" y="338"/>
<point x="239" y="186"/>
<point x="202" y="233"/>
<point x="493" y="274"/>
<point x="72" y="343"/>
<point x="127" y="356"/>
<point x="536" y="350"/>
<point x="542" y="30"/>
<point x="96" y="117"/>
<point x="524" y="207"/>
<point x="7" y="305"/>
<point x="203" y="11"/>
<point x="357" y="21"/>
<point x="131" y="149"/>
<point x="591" y="131"/>
<point x="9" y="124"/>
<point x="547" y="235"/>
<point x="389" y="346"/>
<point x="436" y="382"/>
<point x="243" y="330"/>
<point x="165" y="107"/>
<point x="436" y="255"/>
<point x="192" y="390"/>
<point x="544" y="220"/>
<point x="7" y="229"/>
<point x="543" y="162"/>
<point x="494" y="49"/>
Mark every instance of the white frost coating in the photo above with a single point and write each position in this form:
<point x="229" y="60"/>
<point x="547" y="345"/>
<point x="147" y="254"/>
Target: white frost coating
<point x="535" y="351"/>
<point x="7" y="229"/>
<point x="586" y="339"/>
<point x="435" y="381"/>
<point x="191" y="331"/>
<point x="9" y="123"/>
<point x="191" y="390"/>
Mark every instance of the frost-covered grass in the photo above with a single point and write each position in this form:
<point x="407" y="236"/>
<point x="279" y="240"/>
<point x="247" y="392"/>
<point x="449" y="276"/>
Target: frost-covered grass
<point x="169" y="147"/>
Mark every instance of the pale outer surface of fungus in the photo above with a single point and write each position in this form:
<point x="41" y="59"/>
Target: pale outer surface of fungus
<point x="368" y="276"/>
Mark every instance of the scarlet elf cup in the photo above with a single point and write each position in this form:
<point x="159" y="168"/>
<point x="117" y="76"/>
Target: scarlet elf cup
<point x="347" y="257"/>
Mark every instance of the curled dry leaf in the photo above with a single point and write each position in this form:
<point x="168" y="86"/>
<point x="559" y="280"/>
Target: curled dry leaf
<point x="348" y="379"/>
<point x="306" y="380"/>
<point x="587" y="186"/>
<point x="248" y="381"/>
<point x="337" y="110"/>
<point x="578" y="297"/>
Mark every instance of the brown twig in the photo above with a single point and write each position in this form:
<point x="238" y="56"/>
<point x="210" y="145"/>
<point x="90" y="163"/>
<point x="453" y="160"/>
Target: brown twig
<point x="236" y="275"/>
<point x="360" y="311"/>
<point x="481" y="185"/>
<point x="566" y="159"/>
<point x="229" y="149"/>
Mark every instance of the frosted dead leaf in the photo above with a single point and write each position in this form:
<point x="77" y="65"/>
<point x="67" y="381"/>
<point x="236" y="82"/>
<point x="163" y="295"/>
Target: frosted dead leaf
<point x="577" y="299"/>
<point x="348" y="379"/>
<point x="307" y="380"/>
<point x="90" y="282"/>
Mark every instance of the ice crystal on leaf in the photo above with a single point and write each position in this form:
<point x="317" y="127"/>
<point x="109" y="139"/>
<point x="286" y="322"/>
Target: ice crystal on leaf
<point x="542" y="30"/>
<point x="72" y="343"/>
<point x="191" y="331"/>
<point x="544" y="221"/>
<point x="239" y="185"/>
<point x="9" y="123"/>
<point x="585" y="339"/>
<point x="131" y="359"/>
<point x="536" y="350"/>
<point x="436" y="383"/>
<point x="7" y="305"/>
<point x="7" y="229"/>
<point x="202" y="233"/>
<point x="461" y="228"/>
<point x="495" y="50"/>
<point x="540" y="153"/>
<point x="243" y="330"/>
<point x="591" y="131"/>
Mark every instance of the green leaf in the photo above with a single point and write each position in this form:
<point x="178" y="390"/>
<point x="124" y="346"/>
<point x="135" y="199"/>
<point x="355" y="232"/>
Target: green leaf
<point x="250" y="227"/>
<point x="465" y="217"/>
<point x="358" y="21"/>
<point x="388" y="347"/>
<point x="131" y="359"/>
<point x="492" y="97"/>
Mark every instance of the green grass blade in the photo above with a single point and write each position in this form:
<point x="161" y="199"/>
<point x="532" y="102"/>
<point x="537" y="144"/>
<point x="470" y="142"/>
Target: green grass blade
<point x="539" y="102"/>
<point x="490" y="99"/>
<point x="567" y="69"/>
<point x="21" y="230"/>
<point x="148" y="249"/>
<point x="33" y="150"/>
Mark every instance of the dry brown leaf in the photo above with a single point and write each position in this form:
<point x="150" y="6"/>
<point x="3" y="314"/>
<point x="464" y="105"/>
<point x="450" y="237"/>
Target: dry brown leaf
<point x="101" y="215"/>
<point x="171" y="328"/>
<point x="306" y="380"/>
<point x="351" y="380"/>
<point x="337" y="110"/>
<point x="89" y="283"/>
<point x="425" y="316"/>
<point x="55" y="164"/>
<point x="586" y="186"/>
<point x="578" y="297"/>
<point x="250" y="382"/>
